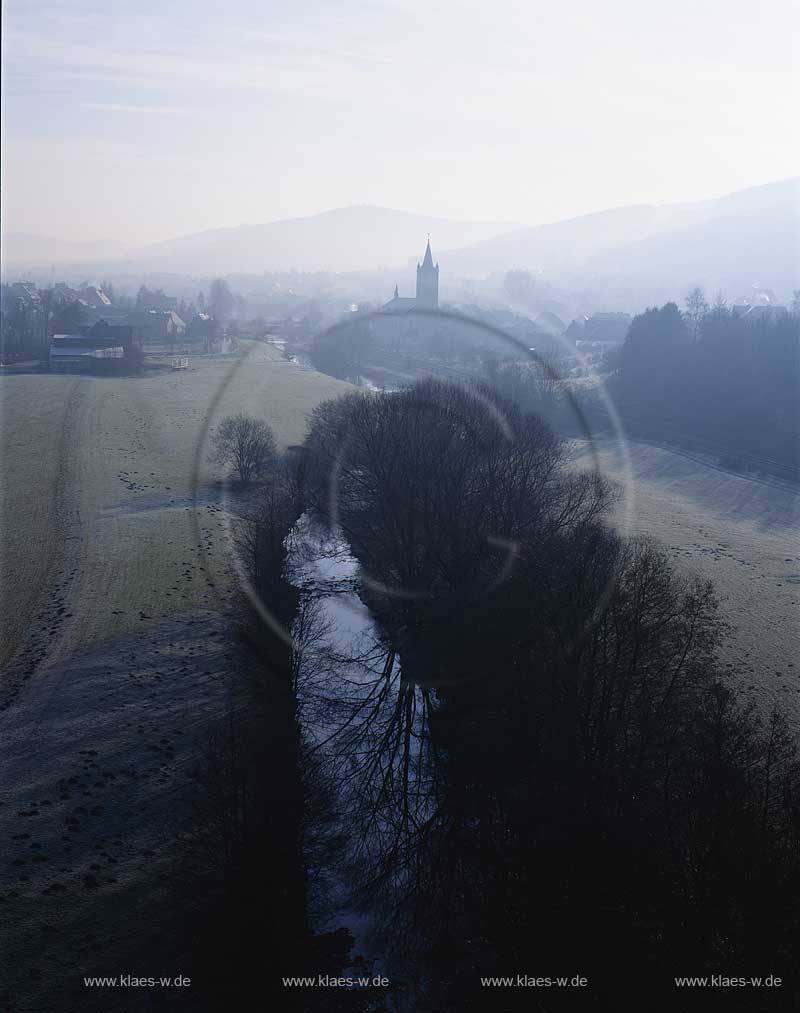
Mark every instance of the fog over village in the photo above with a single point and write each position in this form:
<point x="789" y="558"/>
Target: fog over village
<point x="399" y="487"/>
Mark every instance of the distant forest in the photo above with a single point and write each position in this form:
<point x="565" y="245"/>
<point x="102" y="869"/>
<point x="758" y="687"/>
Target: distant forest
<point x="710" y="381"/>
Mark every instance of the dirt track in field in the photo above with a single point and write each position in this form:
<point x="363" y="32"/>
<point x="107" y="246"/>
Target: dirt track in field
<point x="102" y="509"/>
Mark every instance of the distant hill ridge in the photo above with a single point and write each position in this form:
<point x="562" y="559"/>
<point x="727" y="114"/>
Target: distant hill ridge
<point x="635" y="253"/>
<point x="359" y="238"/>
<point x="574" y="239"/>
<point x="747" y="238"/>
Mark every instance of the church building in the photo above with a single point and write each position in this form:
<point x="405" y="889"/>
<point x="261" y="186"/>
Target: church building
<point x="427" y="296"/>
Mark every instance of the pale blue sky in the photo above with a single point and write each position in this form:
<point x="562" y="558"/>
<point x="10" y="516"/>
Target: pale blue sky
<point x="145" y="120"/>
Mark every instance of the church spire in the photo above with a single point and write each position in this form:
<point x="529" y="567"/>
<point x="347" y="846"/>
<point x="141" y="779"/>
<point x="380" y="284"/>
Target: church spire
<point x="428" y="280"/>
<point x="428" y="258"/>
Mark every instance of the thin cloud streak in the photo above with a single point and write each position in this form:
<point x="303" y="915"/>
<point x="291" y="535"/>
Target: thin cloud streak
<point x="114" y="107"/>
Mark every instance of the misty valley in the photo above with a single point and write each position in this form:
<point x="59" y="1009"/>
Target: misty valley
<point x="399" y="609"/>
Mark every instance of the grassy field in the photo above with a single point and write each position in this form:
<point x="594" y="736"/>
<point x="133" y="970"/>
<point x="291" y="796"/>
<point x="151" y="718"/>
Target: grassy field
<point x="114" y="550"/>
<point x="98" y="531"/>
<point x="737" y="531"/>
<point x="34" y="416"/>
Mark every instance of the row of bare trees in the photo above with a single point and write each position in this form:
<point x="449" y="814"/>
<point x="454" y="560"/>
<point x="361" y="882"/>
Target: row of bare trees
<point x="535" y="763"/>
<point x="549" y="761"/>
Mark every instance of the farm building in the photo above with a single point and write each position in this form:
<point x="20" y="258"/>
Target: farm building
<point x="155" y="325"/>
<point x="601" y="330"/>
<point x="147" y="325"/>
<point x="760" y="313"/>
<point x="121" y="334"/>
<point x="71" y="352"/>
<point x="202" y="327"/>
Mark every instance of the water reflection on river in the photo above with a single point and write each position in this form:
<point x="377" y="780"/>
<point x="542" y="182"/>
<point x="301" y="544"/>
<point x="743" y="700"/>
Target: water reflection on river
<point x="368" y="728"/>
<point x="344" y="668"/>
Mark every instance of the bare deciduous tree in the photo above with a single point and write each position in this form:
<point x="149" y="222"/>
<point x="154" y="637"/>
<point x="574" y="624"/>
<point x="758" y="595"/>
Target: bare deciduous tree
<point x="245" y="442"/>
<point x="696" y="310"/>
<point x="221" y="299"/>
